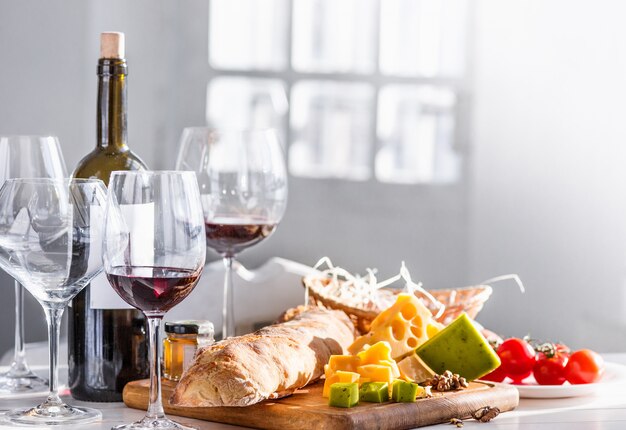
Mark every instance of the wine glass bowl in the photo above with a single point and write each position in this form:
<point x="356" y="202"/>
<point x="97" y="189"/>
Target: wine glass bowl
<point x="243" y="188"/>
<point x="227" y="238"/>
<point x="154" y="290"/>
<point x="51" y="242"/>
<point x="154" y="253"/>
<point x="47" y="236"/>
<point x="31" y="157"/>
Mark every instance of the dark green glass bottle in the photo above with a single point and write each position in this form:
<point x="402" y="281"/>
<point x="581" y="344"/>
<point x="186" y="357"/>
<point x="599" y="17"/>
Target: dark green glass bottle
<point x="106" y="347"/>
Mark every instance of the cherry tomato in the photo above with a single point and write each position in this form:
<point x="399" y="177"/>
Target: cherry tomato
<point x="550" y="370"/>
<point x="584" y="367"/>
<point x="496" y="375"/>
<point x="518" y="358"/>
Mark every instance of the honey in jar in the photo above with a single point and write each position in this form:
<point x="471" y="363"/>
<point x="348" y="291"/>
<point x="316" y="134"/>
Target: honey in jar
<point x="179" y="347"/>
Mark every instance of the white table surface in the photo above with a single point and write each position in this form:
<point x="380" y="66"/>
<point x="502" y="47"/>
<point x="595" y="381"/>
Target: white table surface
<point x="604" y="411"/>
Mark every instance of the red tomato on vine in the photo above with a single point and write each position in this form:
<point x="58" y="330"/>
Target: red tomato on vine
<point x="518" y="358"/>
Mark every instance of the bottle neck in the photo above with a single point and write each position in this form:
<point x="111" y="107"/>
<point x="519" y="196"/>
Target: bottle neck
<point x="111" y="116"/>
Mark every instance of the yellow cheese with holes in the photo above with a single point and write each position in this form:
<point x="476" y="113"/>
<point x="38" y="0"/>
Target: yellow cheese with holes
<point x="405" y="325"/>
<point x="413" y="368"/>
<point x="339" y="376"/>
<point x="376" y="373"/>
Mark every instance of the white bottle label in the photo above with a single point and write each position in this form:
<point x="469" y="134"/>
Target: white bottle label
<point x="140" y="222"/>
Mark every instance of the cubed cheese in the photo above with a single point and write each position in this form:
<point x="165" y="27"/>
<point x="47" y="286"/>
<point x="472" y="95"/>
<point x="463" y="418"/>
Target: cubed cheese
<point x="374" y="392"/>
<point x="379" y="353"/>
<point x="349" y="363"/>
<point x="344" y="395"/>
<point x="339" y="376"/>
<point x="376" y="372"/>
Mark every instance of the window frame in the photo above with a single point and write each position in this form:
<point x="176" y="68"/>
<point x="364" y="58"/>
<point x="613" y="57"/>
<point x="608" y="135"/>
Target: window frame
<point x="377" y="80"/>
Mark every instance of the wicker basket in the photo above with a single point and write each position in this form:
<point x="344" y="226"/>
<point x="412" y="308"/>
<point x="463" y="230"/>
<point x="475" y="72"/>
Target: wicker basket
<point x="456" y="300"/>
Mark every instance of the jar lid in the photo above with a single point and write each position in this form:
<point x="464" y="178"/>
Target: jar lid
<point x="189" y="327"/>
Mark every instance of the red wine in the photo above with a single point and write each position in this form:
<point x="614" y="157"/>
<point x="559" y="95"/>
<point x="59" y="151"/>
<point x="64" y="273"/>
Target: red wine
<point x="232" y="238"/>
<point x="153" y="289"/>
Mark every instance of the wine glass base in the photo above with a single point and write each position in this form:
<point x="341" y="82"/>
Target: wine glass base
<point x="22" y="383"/>
<point x="52" y="415"/>
<point x="153" y="424"/>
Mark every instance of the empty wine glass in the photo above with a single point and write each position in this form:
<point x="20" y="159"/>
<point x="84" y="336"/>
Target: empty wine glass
<point x="51" y="242"/>
<point x="243" y="187"/>
<point x="26" y="157"/>
<point x="154" y="254"/>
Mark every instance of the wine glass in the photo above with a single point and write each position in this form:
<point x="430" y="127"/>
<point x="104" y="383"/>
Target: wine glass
<point x="51" y="242"/>
<point x="153" y="256"/>
<point x="26" y="157"/>
<point x="243" y="187"/>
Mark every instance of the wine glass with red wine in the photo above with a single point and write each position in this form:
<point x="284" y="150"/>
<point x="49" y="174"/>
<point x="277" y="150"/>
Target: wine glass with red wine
<point x="154" y="253"/>
<point x="243" y="187"/>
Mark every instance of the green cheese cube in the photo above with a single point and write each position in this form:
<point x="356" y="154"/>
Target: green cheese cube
<point x="459" y="348"/>
<point x="403" y="391"/>
<point x="374" y="392"/>
<point x="344" y="394"/>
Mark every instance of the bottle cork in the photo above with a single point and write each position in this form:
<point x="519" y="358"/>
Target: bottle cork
<point x="112" y="44"/>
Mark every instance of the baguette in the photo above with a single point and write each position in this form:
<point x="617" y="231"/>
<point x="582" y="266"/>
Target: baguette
<point x="270" y="363"/>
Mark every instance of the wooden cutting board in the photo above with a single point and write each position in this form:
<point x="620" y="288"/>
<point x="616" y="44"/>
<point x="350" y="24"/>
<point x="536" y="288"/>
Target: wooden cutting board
<point x="306" y="408"/>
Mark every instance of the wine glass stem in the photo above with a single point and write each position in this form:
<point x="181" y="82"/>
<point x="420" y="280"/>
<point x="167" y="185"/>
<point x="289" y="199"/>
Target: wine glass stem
<point x="228" y="309"/>
<point x="53" y="318"/>
<point x="19" y="366"/>
<point x="155" y="407"/>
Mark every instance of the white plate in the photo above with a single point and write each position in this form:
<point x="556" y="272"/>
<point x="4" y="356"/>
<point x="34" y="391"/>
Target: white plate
<point x="613" y="374"/>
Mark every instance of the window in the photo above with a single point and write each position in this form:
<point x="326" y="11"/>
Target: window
<point x="359" y="89"/>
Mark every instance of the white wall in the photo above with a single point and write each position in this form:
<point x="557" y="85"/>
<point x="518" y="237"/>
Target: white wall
<point x="43" y="74"/>
<point x="548" y="195"/>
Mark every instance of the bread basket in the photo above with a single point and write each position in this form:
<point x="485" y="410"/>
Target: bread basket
<point x="456" y="301"/>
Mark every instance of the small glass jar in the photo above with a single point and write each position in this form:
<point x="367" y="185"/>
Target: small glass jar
<point x="179" y="347"/>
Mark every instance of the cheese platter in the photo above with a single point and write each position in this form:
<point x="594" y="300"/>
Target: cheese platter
<point x="306" y="408"/>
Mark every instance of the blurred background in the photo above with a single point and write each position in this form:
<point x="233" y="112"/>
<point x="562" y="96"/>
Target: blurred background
<point x="469" y="138"/>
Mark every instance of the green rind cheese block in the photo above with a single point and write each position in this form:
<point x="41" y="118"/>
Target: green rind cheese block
<point x="404" y="392"/>
<point x="374" y="392"/>
<point x="459" y="348"/>
<point x="344" y="394"/>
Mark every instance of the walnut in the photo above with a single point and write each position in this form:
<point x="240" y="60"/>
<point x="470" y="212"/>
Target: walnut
<point x="486" y="414"/>
<point x="447" y="381"/>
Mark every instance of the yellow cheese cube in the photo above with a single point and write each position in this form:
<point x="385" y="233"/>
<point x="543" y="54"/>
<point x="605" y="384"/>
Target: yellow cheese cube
<point x="339" y="376"/>
<point x="376" y="373"/>
<point x="375" y="353"/>
<point x="405" y="325"/>
<point x="349" y="363"/>
<point x="395" y="371"/>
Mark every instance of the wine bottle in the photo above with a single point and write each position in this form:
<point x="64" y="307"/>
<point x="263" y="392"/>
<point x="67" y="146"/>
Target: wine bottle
<point x="106" y="342"/>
